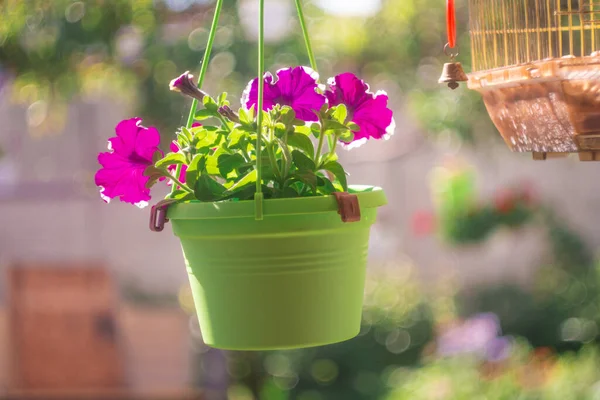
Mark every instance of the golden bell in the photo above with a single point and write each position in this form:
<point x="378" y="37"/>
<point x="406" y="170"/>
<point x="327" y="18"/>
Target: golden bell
<point x="452" y="74"/>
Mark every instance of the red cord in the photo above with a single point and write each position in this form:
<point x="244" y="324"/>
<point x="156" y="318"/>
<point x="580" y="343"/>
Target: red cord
<point x="451" y="23"/>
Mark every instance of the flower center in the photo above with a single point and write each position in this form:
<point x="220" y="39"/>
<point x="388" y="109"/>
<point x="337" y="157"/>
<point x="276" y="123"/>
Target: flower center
<point x="283" y="100"/>
<point x="136" y="158"/>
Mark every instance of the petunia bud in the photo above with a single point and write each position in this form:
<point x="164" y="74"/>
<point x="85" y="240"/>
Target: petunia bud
<point x="228" y="113"/>
<point x="184" y="84"/>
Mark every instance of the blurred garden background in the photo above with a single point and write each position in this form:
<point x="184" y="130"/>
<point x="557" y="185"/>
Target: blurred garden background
<point x="483" y="275"/>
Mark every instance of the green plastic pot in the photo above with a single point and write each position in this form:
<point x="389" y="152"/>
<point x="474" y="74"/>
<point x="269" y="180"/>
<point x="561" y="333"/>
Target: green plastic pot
<point x="294" y="279"/>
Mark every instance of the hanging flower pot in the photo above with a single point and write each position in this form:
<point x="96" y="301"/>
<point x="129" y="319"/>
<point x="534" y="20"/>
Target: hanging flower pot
<point x="536" y="65"/>
<point x="274" y="239"/>
<point x="294" y="279"/>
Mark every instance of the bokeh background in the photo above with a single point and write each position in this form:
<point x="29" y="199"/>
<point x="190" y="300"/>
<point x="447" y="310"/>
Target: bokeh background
<point x="483" y="279"/>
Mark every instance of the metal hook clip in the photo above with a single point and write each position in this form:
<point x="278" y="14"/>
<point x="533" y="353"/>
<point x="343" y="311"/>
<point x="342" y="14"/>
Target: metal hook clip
<point x="348" y="206"/>
<point x="158" y="215"/>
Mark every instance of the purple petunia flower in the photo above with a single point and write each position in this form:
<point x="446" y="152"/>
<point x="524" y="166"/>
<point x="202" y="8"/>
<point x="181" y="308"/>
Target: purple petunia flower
<point x="478" y="335"/>
<point x="122" y="172"/>
<point x="367" y="110"/>
<point x="294" y="87"/>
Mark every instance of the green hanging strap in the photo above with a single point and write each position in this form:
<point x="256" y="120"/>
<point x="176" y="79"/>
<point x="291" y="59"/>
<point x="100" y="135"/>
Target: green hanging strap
<point x="258" y="195"/>
<point x="309" y="51"/>
<point x="203" y="69"/>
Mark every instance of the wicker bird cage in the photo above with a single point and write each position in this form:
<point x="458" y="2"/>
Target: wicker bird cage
<point x="536" y="64"/>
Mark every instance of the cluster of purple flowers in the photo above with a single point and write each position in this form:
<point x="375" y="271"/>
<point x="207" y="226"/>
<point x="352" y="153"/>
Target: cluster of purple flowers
<point x="136" y="147"/>
<point x="479" y="335"/>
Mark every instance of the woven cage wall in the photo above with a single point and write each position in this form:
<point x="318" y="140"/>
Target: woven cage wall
<point x="512" y="32"/>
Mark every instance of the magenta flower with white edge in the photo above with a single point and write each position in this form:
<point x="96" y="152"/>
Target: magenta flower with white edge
<point x="367" y="110"/>
<point x="130" y="153"/>
<point x="294" y="87"/>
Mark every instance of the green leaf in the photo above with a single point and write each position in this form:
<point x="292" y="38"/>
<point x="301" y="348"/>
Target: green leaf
<point x="204" y="114"/>
<point x="154" y="174"/>
<point x="307" y="177"/>
<point x="186" y="132"/>
<point x="287" y="157"/>
<point x="182" y="140"/>
<point x="181" y="195"/>
<point x="247" y="193"/>
<point x="298" y="122"/>
<point x="334" y="125"/>
<point x="266" y="118"/>
<point x="212" y="165"/>
<point x="204" y="139"/>
<point x="156" y="156"/>
<point x="245" y="118"/>
<point x="303" y="130"/>
<point x="336" y="169"/>
<point x="287" y="115"/>
<point x="229" y="162"/>
<point x="353" y="127"/>
<point x="340" y="113"/>
<point x="207" y="142"/>
<point x="248" y="179"/>
<point x="195" y="169"/>
<point x="252" y="113"/>
<point x="207" y="189"/>
<point x="325" y="186"/>
<point x="289" y="192"/>
<point x="315" y="129"/>
<point x="346" y="136"/>
<point x="210" y="104"/>
<point x="301" y="142"/>
<point x="223" y="99"/>
<point x="235" y="138"/>
<point x="170" y="159"/>
<point x="303" y="163"/>
<point x="329" y="157"/>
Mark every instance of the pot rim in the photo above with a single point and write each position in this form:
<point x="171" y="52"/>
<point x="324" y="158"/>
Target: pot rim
<point x="368" y="197"/>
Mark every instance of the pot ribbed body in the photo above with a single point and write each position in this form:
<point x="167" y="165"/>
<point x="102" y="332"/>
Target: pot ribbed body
<point x="287" y="281"/>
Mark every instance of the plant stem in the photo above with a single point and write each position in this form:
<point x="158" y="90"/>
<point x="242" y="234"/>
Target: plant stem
<point x="261" y="88"/>
<point x="178" y="183"/>
<point x="333" y="146"/>
<point x="203" y="69"/>
<point x="319" y="147"/>
<point x="245" y="153"/>
<point x="274" y="161"/>
<point x="224" y="122"/>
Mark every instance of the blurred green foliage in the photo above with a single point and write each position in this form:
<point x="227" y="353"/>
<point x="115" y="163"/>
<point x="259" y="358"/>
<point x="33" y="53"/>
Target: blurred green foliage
<point x="525" y="376"/>
<point x="464" y="218"/>
<point x="567" y="286"/>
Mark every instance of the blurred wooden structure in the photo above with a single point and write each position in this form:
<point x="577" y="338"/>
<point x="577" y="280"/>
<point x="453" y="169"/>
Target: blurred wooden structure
<point x="63" y="329"/>
<point x="65" y="337"/>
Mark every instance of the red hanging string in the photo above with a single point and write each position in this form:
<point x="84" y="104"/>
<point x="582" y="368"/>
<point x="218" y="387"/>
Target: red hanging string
<point x="451" y="23"/>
